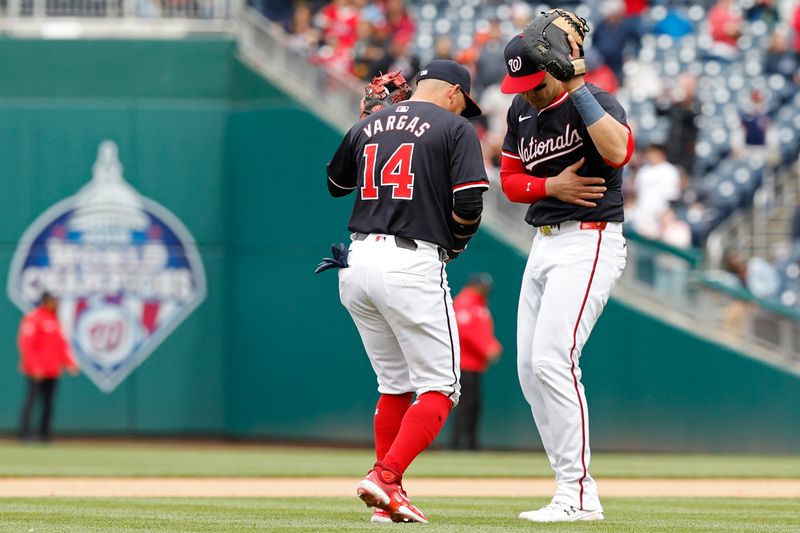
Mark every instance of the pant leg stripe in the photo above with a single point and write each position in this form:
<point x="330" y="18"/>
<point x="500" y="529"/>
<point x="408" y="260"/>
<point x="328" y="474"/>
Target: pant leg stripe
<point x="572" y="369"/>
<point x="450" y="331"/>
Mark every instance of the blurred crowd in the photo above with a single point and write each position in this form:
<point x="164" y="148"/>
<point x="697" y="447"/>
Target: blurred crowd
<point x="664" y="183"/>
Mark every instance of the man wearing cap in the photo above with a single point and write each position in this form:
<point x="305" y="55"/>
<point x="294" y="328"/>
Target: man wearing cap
<point x="417" y="171"/>
<point x="563" y="154"/>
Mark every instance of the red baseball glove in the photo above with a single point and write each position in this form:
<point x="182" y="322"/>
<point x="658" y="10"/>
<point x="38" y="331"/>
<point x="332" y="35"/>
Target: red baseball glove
<point x="383" y="91"/>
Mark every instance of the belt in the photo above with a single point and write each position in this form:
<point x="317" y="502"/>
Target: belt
<point x="402" y="242"/>
<point x="572" y="225"/>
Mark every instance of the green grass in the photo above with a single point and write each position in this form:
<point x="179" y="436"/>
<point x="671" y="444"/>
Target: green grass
<point x="347" y="514"/>
<point x="150" y="459"/>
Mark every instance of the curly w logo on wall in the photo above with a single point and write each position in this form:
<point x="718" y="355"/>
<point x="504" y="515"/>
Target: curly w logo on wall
<point x="126" y="270"/>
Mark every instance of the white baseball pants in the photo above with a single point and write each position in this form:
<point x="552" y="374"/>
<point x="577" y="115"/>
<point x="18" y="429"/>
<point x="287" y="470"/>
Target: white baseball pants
<point x="567" y="282"/>
<point x="400" y="302"/>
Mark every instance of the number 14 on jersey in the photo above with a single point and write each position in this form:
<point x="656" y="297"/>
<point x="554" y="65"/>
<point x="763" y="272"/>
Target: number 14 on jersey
<point x="396" y="172"/>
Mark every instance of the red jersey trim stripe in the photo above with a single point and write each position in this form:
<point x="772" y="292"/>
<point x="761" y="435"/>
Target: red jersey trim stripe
<point x="558" y="101"/>
<point x="471" y="185"/>
<point x="512" y="156"/>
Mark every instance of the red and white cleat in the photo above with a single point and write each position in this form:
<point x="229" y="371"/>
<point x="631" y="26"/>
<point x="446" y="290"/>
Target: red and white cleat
<point x="381" y="489"/>
<point x="380" y="516"/>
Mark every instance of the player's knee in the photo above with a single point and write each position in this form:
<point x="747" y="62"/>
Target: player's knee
<point x="548" y="369"/>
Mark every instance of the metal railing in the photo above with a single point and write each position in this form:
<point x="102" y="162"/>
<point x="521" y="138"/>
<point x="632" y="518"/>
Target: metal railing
<point x="763" y="229"/>
<point x="672" y="285"/>
<point x="265" y="46"/>
<point x="116" y="18"/>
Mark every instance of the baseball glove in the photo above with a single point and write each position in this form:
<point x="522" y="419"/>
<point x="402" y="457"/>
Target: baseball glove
<point x="546" y="43"/>
<point x="383" y="91"/>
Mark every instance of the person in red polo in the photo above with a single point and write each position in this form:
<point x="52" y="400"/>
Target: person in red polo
<point x="44" y="354"/>
<point x="479" y="347"/>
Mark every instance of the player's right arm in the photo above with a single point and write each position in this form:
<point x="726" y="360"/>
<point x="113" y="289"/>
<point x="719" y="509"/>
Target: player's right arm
<point x="520" y="186"/>
<point x="342" y="169"/>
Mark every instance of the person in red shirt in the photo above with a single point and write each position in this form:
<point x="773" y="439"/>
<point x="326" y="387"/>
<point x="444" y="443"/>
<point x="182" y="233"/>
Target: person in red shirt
<point x="479" y="347"/>
<point x="725" y="25"/>
<point x="796" y="28"/>
<point x="44" y="353"/>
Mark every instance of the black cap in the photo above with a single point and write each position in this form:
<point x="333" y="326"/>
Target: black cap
<point x="455" y="74"/>
<point x="481" y="278"/>
<point x="523" y="73"/>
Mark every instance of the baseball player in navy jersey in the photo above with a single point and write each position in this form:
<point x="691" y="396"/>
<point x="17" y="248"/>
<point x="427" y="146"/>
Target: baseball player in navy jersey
<point x="563" y="152"/>
<point x="417" y="172"/>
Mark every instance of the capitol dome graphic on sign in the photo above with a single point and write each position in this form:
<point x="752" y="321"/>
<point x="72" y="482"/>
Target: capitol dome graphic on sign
<point x="126" y="270"/>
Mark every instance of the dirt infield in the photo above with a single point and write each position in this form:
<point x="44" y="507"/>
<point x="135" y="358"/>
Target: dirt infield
<point x="455" y="487"/>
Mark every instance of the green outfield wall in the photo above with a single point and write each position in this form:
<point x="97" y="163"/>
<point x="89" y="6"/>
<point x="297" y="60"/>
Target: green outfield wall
<point x="271" y="354"/>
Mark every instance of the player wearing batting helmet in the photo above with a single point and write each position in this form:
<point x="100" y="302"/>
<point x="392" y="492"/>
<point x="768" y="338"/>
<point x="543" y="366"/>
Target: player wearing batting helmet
<point x="417" y="171"/>
<point x="563" y="154"/>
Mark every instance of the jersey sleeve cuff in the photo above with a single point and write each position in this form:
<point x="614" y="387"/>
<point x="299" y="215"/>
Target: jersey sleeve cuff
<point x="471" y="185"/>
<point x="339" y="186"/>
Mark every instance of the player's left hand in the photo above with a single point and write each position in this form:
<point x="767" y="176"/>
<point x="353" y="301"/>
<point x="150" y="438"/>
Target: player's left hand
<point x="339" y="259"/>
<point x="453" y="254"/>
<point x="577" y="81"/>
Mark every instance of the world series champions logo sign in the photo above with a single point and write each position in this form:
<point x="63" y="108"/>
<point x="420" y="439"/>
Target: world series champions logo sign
<point x="125" y="269"/>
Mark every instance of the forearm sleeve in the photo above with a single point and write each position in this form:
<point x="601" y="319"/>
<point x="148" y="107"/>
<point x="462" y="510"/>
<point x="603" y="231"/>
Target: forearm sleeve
<point x="517" y="185"/>
<point x="468" y="206"/>
<point x="468" y="203"/>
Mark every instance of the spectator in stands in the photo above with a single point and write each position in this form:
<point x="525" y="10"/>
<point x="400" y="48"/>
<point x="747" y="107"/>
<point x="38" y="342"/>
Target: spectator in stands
<point x="402" y="58"/>
<point x="780" y="59"/>
<point x="679" y="103"/>
<point x="598" y="73"/>
<point x="764" y="10"/>
<point x="521" y="14"/>
<point x="752" y="139"/>
<point x="734" y="276"/>
<point x="734" y="265"/>
<point x="675" y="24"/>
<point x="443" y="47"/>
<point x="636" y="8"/>
<point x="479" y="348"/>
<point x="494" y="104"/>
<point x="44" y="354"/>
<point x="491" y="61"/>
<point x="303" y="35"/>
<point x="370" y="54"/>
<point x="657" y="183"/>
<point x="615" y="36"/>
<point x="796" y="28"/>
<point x="339" y="23"/>
<point x="399" y="22"/>
<point x="672" y="272"/>
<point x="726" y="26"/>
<point x="755" y="275"/>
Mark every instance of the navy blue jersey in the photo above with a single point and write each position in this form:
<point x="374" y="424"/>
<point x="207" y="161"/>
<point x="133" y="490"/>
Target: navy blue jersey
<point x="405" y="162"/>
<point x="550" y="140"/>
